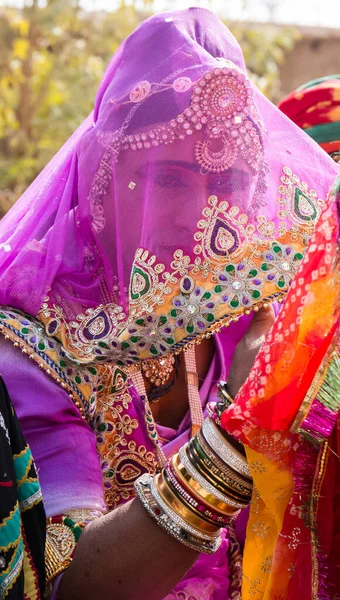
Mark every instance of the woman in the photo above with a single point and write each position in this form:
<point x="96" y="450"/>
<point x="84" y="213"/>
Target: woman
<point x="182" y="204"/>
<point x="315" y="107"/>
<point x="288" y="415"/>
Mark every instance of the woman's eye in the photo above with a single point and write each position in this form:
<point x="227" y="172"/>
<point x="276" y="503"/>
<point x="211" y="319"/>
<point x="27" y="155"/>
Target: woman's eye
<point x="168" y="180"/>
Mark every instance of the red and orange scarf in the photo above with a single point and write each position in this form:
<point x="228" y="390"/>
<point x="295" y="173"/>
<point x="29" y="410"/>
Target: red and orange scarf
<point x="286" y="415"/>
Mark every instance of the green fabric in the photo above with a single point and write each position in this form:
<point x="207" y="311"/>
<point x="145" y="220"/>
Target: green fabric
<point x="329" y="132"/>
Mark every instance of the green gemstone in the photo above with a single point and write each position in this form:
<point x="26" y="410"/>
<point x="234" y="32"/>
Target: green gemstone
<point x="170" y="341"/>
<point x="125" y="345"/>
<point x="265" y="267"/>
<point x="163" y="320"/>
<point x="102" y="427"/>
<point x="256" y="294"/>
<point x="92" y="370"/>
<point x="140" y="322"/>
<point x="173" y="313"/>
<point x="207" y="296"/>
<point x="253" y="273"/>
<point x="209" y="317"/>
<point x="134" y="339"/>
<point x="153" y="350"/>
<point x="234" y="303"/>
<point x="298" y="256"/>
<point x="42" y="346"/>
<point x="190" y="329"/>
<point x="277" y="249"/>
<point x="230" y="268"/>
<point x="62" y="363"/>
<point x="25" y="331"/>
<point x="2" y="316"/>
<point x="77" y="379"/>
<point x="103" y="345"/>
<point x="217" y="289"/>
<point x="281" y="283"/>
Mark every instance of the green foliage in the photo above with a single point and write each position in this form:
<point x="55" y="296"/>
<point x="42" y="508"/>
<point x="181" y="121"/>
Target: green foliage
<point x="52" y="57"/>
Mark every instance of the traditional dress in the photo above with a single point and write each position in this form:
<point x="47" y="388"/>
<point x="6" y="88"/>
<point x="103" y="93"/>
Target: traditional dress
<point x="183" y="203"/>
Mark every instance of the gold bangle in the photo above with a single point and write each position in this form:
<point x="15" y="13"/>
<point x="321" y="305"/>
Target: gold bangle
<point x="245" y="484"/>
<point x="214" y="479"/>
<point x="205" y="496"/>
<point x="186" y="513"/>
<point x="224" y="449"/>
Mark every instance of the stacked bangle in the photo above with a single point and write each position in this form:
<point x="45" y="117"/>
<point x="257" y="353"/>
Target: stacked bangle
<point x="200" y="490"/>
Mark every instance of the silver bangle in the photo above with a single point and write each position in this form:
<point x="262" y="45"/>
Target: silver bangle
<point x="143" y="489"/>
<point x="223" y="449"/>
<point x="210" y="489"/>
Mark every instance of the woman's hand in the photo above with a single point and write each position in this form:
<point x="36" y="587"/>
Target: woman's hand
<point x="248" y="347"/>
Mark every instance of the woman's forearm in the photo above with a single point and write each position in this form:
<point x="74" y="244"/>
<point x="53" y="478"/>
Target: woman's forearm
<point x="123" y="556"/>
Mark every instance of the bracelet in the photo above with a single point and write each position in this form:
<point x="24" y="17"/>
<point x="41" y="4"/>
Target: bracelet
<point x="172" y="526"/>
<point x="215" y="480"/>
<point x="179" y="507"/>
<point x="62" y="535"/>
<point x="205" y="491"/>
<point x="213" y="517"/>
<point x="223" y="448"/>
<point x="227" y="475"/>
<point x="221" y="467"/>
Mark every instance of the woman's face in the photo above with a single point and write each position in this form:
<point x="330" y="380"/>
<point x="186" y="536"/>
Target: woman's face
<point x="161" y="192"/>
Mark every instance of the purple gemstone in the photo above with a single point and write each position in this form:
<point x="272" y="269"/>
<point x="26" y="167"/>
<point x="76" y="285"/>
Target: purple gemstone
<point x="12" y="316"/>
<point x="167" y="330"/>
<point x="107" y="485"/>
<point x="33" y="340"/>
<point x="179" y="322"/>
<point x="269" y="256"/>
<point x="114" y="344"/>
<point x="200" y="324"/>
<point x="288" y="251"/>
<point x="87" y="378"/>
<point x="162" y="347"/>
<point x="51" y="344"/>
<point x="240" y="266"/>
<point x="61" y="353"/>
<point x="271" y="277"/>
<point x="24" y="322"/>
<point x="210" y="305"/>
<point x="225" y="298"/>
<point x="69" y="371"/>
<point x="245" y="300"/>
<point x="141" y="344"/>
<point x="132" y="330"/>
<point x="257" y="281"/>
<point x="223" y="278"/>
<point x="97" y="351"/>
<point x="177" y="303"/>
<point x="186" y="284"/>
<point x="149" y="318"/>
<point x="105" y="465"/>
<point x="197" y="291"/>
<point x="109" y="427"/>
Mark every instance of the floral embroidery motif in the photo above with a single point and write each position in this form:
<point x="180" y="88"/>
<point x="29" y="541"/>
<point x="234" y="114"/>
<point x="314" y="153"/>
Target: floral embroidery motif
<point x="237" y="266"/>
<point x="194" y="312"/>
<point x="122" y="459"/>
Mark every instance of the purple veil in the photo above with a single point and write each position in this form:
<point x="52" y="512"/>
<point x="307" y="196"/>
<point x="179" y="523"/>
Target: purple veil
<point x="185" y="201"/>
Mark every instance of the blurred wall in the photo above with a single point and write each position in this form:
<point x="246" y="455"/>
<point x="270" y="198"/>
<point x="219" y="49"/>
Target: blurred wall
<point x="316" y="54"/>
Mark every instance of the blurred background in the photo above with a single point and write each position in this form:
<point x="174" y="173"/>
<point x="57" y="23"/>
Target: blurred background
<point x="54" y="52"/>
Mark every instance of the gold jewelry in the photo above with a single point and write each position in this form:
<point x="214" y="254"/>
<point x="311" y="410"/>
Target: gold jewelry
<point x="206" y="496"/>
<point x="158" y="370"/>
<point x="180" y="509"/>
<point x="246" y="484"/>
<point x="213" y="479"/>
<point x="220" y="445"/>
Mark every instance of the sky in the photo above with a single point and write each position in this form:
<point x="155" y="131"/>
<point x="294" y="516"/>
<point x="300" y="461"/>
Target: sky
<point x="324" y="13"/>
